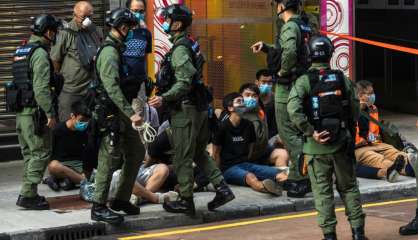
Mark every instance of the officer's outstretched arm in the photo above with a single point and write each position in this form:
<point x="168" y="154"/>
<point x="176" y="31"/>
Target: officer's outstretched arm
<point x="108" y="66"/>
<point x="354" y="101"/>
<point x="295" y="106"/>
<point x="184" y="72"/>
<point x="40" y="76"/>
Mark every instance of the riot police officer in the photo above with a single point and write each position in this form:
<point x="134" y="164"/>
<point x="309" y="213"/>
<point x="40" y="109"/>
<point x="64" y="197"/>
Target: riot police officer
<point x="30" y="96"/>
<point x="324" y="106"/>
<point x="291" y="63"/>
<point x="115" y="116"/>
<point x="186" y="98"/>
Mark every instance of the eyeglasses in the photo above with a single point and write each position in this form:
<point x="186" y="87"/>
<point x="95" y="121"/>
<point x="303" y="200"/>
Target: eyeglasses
<point x="238" y="101"/>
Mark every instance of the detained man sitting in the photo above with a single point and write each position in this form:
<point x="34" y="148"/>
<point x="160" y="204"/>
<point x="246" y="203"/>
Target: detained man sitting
<point x="233" y="145"/>
<point x="69" y="149"/>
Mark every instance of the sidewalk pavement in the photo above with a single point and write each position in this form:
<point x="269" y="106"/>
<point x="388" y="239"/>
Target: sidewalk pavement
<point x="70" y="217"/>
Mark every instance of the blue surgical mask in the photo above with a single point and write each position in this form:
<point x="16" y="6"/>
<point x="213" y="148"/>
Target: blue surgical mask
<point x="372" y="99"/>
<point x="166" y="27"/>
<point x="250" y="102"/>
<point x="139" y="16"/>
<point x="265" y="89"/>
<point x="129" y="36"/>
<point x="81" y="126"/>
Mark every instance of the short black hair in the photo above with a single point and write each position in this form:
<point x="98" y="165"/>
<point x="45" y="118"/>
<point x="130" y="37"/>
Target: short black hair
<point x="252" y="86"/>
<point x="228" y="100"/>
<point x="263" y="72"/>
<point x="363" y="85"/>
<point x="129" y="2"/>
<point x="80" y="108"/>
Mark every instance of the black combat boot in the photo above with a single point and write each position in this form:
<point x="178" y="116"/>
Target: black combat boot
<point x="181" y="205"/>
<point x="411" y="228"/>
<point x="126" y="206"/>
<point x="358" y="233"/>
<point x="330" y="236"/>
<point x="223" y="195"/>
<point x="33" y="203"/>
<point x="100" y="212"/>
<point x="297" y="189"/>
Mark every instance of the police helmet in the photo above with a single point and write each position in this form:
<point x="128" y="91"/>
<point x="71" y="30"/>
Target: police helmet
<point x="290" y="3"/>
<point x="44" y="22"/>
<point x="320" y="49"/>
<point x="119" y="16"/>
<point x="179" y="12"/>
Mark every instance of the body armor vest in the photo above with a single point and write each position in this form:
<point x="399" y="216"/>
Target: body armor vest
<point x="327" y="106"/>
<point x="19" y="92"/>
<point x="165" y="78"/>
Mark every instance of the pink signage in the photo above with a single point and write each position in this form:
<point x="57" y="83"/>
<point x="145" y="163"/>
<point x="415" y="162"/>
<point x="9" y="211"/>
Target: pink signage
<point x="337" y="17"/>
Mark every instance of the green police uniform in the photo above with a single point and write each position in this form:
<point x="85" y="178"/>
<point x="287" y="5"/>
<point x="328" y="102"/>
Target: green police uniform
<point x="290" y="37"/>
<point x="76" y="76"/>
<point x="324" y="160"/>
<point x="261" y="132"/>
<point x="35" y="149"/>
<point x="189" y="126"/>
<point x="128" y="143"/>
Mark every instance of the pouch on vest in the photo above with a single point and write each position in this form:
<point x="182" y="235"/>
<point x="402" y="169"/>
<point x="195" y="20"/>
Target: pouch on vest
<point x="13" y="98"/>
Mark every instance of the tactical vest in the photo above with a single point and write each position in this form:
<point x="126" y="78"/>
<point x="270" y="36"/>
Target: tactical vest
<point x="19" y="92"/>
<point x="199" y="95"/>
<point x="303" y="59"/>
<point x="327" y="106"/>
<point x="129" y="85"/>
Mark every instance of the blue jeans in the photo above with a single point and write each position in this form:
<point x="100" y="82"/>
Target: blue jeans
<point x="236" y="174"/>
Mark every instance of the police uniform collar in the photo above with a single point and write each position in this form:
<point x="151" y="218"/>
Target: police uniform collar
<point x="294" y="16"/>
<point x="175" y="38"/>
<point x="119" y="44"/>
<point x="38" y="39"/>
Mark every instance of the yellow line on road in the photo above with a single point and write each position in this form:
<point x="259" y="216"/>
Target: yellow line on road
<point x="245" y="223"/>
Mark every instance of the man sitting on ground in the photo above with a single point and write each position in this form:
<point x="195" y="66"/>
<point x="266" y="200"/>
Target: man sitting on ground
<point x="263" y="152"/>
<point x="69" y="144"/>
<point x="233" y="145"/>
<point x="370" y="150"/>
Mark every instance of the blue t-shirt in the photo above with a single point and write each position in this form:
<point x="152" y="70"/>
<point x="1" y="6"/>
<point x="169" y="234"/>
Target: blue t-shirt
<point x="136" y="50"/>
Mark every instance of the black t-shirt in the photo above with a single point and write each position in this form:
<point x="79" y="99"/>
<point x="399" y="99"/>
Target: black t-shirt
<point x="271" y="118"/>
<point x="68" y="145"/>
<point x="235" y="142"/>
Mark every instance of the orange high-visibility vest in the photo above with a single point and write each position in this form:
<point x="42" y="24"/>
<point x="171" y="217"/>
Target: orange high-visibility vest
<point x="374" y="131"/>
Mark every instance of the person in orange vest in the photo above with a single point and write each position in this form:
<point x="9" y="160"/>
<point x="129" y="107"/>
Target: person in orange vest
<point x="370" y="150"/>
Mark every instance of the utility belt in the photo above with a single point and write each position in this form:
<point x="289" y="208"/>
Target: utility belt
<point x="19" y="96"/>
<point x="290" y="78"/>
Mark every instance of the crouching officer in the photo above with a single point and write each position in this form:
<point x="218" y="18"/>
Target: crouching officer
<point x="30" y="96"/>
<point x="189" y="114"/>
<point x="115" y="116"/>
<point x="324" y="106"/>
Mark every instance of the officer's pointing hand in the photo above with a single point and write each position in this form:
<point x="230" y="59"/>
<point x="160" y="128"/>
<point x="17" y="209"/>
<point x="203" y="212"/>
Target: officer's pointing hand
<point x="51" y="123"/>
<point x="321" y="137"/>
<point x="136" y="120"/>
<point x="257" y="47"/>
<point x="156" y="101"/>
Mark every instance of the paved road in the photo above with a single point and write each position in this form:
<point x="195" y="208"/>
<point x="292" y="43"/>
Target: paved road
<point x="383" y="222"/>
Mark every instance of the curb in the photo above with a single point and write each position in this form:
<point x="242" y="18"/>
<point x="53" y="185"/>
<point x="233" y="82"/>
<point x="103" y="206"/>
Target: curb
<point x="148" y="221"/>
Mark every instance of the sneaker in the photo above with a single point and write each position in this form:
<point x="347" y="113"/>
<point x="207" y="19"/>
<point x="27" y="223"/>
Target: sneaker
<point x="168" y="196"/>
<point x="272" y="187"/>
<point x="99" y="212"/>
<point x="67" y="185"/>
<point x="409" y="229"/>
<point x="52" y="183"/>
<point x="125" y="206"/>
